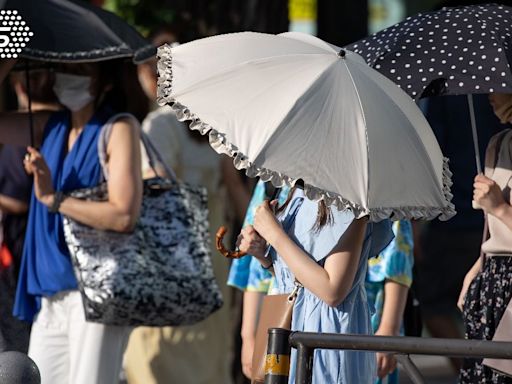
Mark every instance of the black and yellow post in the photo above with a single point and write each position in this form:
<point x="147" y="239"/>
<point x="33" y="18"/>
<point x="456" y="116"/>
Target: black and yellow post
<point x="277" y="361"/>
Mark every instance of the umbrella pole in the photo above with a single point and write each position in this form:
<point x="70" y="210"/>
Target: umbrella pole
<point x="475" y="133"/>
<point x="30" y="115"/>
<point x="474" y="204"/>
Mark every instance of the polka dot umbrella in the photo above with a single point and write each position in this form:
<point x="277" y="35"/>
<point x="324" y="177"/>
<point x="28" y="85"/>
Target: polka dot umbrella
<point x="452" y="51"/>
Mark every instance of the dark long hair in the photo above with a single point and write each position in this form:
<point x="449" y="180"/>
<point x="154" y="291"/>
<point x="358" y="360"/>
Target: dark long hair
<point x="125" y="93"/>
<point x="324" y="213"/>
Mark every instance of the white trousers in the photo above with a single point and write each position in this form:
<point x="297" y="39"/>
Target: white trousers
<point x="69" y="350"/>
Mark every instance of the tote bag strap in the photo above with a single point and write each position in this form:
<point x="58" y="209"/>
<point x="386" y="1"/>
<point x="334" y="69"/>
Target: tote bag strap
<point x="152" y="153"/>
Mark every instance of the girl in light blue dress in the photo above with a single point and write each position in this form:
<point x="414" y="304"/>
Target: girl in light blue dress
<point x="327" y="251"/>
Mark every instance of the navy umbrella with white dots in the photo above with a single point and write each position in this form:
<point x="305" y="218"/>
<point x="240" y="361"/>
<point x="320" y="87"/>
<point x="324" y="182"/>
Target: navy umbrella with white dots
<point x="447" y="52"/>
<point x="452" y="51"/>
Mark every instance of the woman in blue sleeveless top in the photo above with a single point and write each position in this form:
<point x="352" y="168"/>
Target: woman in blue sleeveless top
<point x="327" y="251"/>
<point x="66" y="348"/>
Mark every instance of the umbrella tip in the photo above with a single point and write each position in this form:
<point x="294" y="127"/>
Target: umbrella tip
<point x="342" y="53"/>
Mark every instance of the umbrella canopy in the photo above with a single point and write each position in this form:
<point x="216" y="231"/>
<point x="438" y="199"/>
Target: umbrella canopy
<point x="291" y="106"/>
<point x="452" y="51"/>
<point x="76" y="31"/>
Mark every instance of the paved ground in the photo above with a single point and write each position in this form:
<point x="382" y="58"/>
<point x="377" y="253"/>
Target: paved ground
<point x="435" y="370"/>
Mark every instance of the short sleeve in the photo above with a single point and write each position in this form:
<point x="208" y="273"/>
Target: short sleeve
<point x="396" y="261"/>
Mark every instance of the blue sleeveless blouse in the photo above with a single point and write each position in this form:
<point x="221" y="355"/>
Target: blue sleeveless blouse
<point x="46" y="266"/>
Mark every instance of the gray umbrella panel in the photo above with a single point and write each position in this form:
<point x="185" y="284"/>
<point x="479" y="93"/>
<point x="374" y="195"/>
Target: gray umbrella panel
<point x="76" y="31"/>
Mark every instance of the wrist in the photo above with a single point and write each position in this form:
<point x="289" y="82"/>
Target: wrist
<point x="55" y="200"/>
<point x="388" y="330"/>
<point x="48" y="199"/>
<point x="248" y="336"/>
<point x="500" y="211"/>
<point x="276" y="236"/>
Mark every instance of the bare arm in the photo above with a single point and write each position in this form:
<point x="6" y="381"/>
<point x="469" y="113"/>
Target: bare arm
<point x="395" y="298"/>
<point x="488" y="194"/>
<point x="332" y="282"/>
<point x="121" y="211"/>
<point x="12" y="206"/>
<point x="467" y="282"/>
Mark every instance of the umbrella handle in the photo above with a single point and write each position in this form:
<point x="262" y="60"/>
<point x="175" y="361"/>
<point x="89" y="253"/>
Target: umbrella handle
<point x="221" y="232"/>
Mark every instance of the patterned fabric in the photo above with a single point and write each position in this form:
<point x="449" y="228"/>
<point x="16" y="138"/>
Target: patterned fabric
<point x="485" y="303"/>
<point x="161" y="274"/>
<point x="46" y="267"/>
<point x="394" y="263"/>
<point x="246" y="273"/>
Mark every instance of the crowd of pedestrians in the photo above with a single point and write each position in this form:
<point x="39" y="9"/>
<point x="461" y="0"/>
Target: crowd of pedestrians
<point x="350" y="275"/>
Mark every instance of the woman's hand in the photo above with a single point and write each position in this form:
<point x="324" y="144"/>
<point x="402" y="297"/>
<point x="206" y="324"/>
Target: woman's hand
<point x="266" y="223"/>
<point x="43" y="187"/>
<point x="250" y="242"/>
<point x="468" y="279"/>
<point x="488" y="195"/>
<point x="464" y="290"/>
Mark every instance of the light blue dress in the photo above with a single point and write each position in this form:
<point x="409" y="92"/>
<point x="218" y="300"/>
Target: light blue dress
<point x="311" y="314"/>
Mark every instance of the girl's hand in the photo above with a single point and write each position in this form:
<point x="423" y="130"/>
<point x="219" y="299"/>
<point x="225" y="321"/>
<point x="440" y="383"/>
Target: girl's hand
<point x="488" y="194"/>
<point x="386" y="362"/>
<point x="265" y="221"/>
<point x="250" y="242"/>
<point x="43" y="186"/>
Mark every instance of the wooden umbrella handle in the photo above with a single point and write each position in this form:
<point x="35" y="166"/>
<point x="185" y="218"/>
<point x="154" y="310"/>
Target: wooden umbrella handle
<point x="222" y="249"/>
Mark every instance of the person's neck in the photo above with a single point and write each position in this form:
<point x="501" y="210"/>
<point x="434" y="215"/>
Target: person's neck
<point x="80" y="118"/>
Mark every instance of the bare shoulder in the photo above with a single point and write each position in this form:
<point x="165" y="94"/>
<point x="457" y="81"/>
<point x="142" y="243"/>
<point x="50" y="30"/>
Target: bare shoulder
<point x="125" y="129"/>
<point x="126" y="124"/>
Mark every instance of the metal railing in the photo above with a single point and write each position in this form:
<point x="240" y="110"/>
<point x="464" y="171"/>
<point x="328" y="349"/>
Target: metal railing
<point x="306" y="343"/>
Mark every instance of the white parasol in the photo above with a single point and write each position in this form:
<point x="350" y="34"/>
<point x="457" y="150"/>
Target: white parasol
<point x="291" y="106"/>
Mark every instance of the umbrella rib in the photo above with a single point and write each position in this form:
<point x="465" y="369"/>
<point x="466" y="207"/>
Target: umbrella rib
<point x="365" y="130"/>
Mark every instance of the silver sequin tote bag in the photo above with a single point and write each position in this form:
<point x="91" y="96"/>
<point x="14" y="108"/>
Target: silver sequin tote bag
<point x="159" y="275"/>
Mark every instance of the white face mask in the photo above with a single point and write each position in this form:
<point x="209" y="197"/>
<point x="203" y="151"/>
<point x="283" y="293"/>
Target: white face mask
<point x="73" y="91"/>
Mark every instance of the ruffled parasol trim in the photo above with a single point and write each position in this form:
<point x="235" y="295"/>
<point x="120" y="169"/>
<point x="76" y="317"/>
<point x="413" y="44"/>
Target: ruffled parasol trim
<point x="219" y="143"/>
